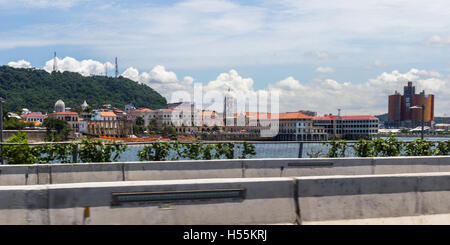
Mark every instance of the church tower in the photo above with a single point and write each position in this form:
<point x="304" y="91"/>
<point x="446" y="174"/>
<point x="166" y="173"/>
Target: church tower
<point x="229" y="109"/>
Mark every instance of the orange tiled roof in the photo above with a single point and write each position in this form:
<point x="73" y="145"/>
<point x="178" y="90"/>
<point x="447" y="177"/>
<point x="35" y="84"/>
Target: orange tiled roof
<point x="108" y="114"/>
<point x="143" y="109"/>
<point x="293" y="115"/>
<point x="64" y="113"/>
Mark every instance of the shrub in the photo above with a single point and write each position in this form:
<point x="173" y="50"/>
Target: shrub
<point x="249" y="150"/>
<point x="442" y="148"/>
<point x="157" y="151"/>
<point x="387" y="147"/>
<point x="364" y="148"/>
<point x="337" y="148"/>
<point x="50" y="152"/>
<point x="98" y="151"/>
<point x="419" y="147"/>
<point x="19" y="154"/>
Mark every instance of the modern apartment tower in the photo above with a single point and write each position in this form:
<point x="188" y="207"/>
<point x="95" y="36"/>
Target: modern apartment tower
<point x="400" y="113"/>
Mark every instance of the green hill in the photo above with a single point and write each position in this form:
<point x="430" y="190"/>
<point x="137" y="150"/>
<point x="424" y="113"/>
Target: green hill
<point x="39" y="90"/>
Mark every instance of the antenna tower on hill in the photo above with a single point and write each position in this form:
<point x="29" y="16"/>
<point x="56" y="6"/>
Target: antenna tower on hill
<point x="117" y="69"/>
<point x="54" y="62"/>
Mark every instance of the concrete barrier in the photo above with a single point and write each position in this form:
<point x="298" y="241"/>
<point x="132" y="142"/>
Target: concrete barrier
<point x="420" y="198"/>
<point x="183" y="170"/>
<point x="385" y="165"/>
<point x="237" y="168"/>
<point x="85" y="172"/>
<point x="257" y="168"/>
<point x="372" y="199"/>
<point x="19" y="174"/>
<point x="264" y="201"/>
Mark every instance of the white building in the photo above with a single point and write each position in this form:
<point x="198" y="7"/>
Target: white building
<point x="352" y="127"/>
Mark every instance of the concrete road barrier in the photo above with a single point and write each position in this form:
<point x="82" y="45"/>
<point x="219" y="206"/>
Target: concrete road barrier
<point x="418" y="198"/>
<point x="263" y="201"/>
<point x="202" y="169"/>
<point x="182" y="170"/>
<point x="358" y="198"/>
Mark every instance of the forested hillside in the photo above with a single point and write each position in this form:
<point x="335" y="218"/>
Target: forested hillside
<point x="38" y="90"/>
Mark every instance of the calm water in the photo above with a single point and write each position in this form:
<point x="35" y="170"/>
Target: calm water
<point x="268" y="150"/>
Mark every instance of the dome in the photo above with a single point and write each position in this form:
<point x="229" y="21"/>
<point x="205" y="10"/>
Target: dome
<point x="60" y="106"/>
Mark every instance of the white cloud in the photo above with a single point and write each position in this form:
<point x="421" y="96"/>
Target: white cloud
<point x="164" y="82"/>
<point x="438" y="40"/>
<point x="325" y="69"/>
<point x="371" y="97"/>
<point x="376" y="64"/>
<point x="319" y="55"/>
<point x="323" y="95"/>
<point x="39" y="3"/>
<point x="85" y="67"/>
<point x="20" y="64"/>
<point x="220" y="33"/>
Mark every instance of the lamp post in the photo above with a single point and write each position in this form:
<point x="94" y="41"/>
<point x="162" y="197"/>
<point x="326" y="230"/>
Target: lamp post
<point x="1" y="128"/>
<point x="423" y="116"/>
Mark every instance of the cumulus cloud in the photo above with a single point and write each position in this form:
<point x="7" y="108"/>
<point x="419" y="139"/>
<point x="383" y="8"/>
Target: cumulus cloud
<point x="167" y="83"/>
<point x="161" y="80"/>
<point x="326" y="69"/>
<point x="370" y="97"/>
<point x="20" y="64"/>
<point x="438" y="40"/>
<point x="323" y="95"/>
<point x="85" y="67"/>
<point x="376" y="64"/>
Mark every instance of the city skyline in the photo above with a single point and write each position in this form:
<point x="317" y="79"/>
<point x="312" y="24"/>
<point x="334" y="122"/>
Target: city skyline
<point x="158" y="78"/>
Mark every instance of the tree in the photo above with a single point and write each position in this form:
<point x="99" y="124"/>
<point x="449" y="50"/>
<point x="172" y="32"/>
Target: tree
<point x="14" y="123"/>
<point x="140" y="121"/>
<point x="19" y="154"/>
<point x="88" y="109"/>
<point x="168" y="130"/>
<point x="153" y="126"/>
<point x="23" y="88"/>
<point x="62" y="128"/>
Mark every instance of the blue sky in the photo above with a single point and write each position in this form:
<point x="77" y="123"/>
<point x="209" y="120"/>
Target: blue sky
<point x="350" y="42"/>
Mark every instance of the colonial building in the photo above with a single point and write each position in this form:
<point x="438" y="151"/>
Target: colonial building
<point x="70" y="117"/>
<point x="107" y="123"/>
<point x="298" y="126"/>
<point x="36" y="117"/>
<point x="348" y="127"/>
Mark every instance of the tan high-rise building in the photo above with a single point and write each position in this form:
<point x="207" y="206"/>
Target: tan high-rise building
<point x="428" y="101"/>
<point x="400" y="110"/>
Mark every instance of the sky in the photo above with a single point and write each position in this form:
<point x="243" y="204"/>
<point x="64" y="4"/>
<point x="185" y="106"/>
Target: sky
<point x="318" y="55"/>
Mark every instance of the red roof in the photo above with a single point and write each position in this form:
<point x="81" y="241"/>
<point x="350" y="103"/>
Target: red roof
<point x="118" y="110"/>
<point x="284" y="115"/>
<point x="64" y="113"/>
<point x="33" y="114"/>
<point x="143" y="109"/>
<point x="356" y="117"/>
